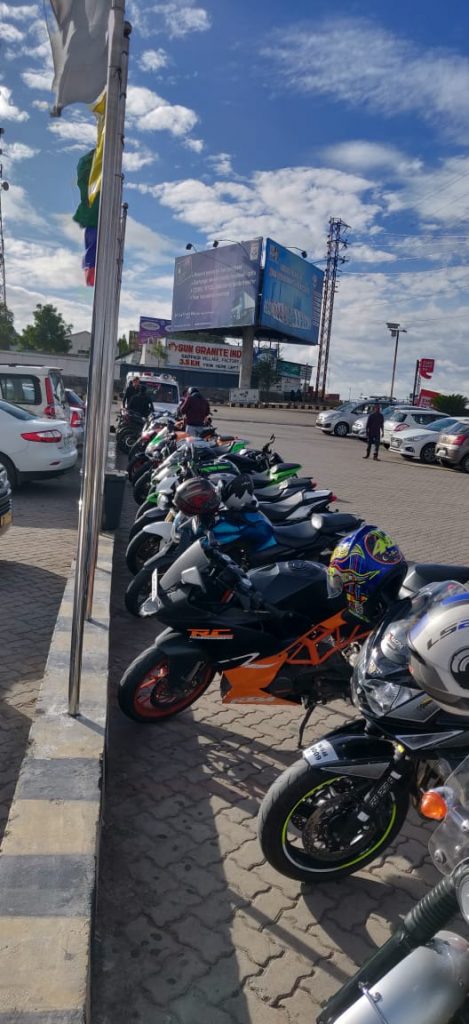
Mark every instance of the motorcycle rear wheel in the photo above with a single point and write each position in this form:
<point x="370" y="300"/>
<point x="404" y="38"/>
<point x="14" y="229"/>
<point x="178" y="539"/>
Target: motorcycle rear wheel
<point x="300" y="819"/>
<point x="145" y="696"/>
<point x="141" y="547"/>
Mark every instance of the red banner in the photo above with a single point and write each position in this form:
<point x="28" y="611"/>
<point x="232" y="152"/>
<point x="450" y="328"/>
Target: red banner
<point x="426" y="368"/>
<point x="426" y="398"/>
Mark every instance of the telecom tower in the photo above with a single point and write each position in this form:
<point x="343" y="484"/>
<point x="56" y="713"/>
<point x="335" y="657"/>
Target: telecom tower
<point x="336" y="242"/>
<point x="4" y="186"/>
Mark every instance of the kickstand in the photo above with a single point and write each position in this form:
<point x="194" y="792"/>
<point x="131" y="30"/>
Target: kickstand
<point x="304" y="722"/>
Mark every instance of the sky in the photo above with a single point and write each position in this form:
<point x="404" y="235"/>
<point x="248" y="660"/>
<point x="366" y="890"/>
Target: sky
<point x="265" y="118"/>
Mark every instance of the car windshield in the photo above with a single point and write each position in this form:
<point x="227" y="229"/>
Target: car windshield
<point x="457" y="427"/>
<point x="73" y="398"/>
<point x="14" y="410"/>
<point x="438" y="425"/>
<point x="344" y="408"/>
<point x="163" y="393"/>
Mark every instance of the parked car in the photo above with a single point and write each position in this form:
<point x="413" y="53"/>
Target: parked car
<point x="452" y="447"/>
<point x="31" y="448"/>
<point x="421" y="442"/>
<point x="359" y="426"/>
<point x="404" y="417"/>
<point x="77" y="411"/>
<point x="38" y="389"/>
<point x="5" y="502"/>
<point x="339" y="421"/>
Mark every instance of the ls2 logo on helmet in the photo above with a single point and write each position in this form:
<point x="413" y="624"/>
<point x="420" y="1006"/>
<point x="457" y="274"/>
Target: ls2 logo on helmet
<point x="459" y="667"/>
<point x="453" y="628"/>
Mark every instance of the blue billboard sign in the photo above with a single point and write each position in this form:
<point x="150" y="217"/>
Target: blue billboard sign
<point x="218" y="288"/>
<point x="291" y="295"/>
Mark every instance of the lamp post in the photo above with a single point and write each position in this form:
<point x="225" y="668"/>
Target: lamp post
<point x="395" y="330"/>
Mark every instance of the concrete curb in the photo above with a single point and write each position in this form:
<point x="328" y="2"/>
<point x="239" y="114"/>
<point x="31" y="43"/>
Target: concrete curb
<point x="49" y="853"/>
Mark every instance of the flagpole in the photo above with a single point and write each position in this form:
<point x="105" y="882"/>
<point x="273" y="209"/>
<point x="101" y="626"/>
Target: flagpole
<point x="105" y="296"/>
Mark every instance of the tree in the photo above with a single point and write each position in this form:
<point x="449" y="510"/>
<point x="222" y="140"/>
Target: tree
<point x="158" y="350"/>
<point x="454" y="405"/>
<point x="123" y="348"/>
<point x="48" y="333"/>
<point x="8" y="335"/>
<point x="265" y="373"/>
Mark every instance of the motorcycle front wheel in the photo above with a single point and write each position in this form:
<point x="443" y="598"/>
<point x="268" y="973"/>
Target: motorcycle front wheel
<point x="145" y="695"/>
<point x="309" y="828"/>
<point x="142" y="486"/>
<point x="140" y="548"/>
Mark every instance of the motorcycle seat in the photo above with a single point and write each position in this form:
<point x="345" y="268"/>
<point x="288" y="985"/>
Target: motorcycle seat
<point x="294" y="534"/>
<point x="433" y="572"/>
<point x="333" y="522"/>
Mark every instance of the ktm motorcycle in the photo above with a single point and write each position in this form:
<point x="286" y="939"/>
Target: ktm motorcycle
<point x="340" y="806"/>
<point x="273" y="634"/>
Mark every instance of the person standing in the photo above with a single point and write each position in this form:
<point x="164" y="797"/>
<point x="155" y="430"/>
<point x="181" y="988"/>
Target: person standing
<point x="132" y="389"/>
<point x="374" y="432"/>
<point x="141" y="403"/>
<point x="195" y="409"/>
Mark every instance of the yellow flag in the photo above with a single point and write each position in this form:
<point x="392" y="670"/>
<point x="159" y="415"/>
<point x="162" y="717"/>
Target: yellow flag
<point x="96" y="173"/>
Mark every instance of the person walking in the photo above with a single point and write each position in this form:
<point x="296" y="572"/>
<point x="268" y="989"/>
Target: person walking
<point x="195" y="410"/>
<point x="131" y="390"/>
<point x="141" y="403"/>
<point x="374" y="432"/>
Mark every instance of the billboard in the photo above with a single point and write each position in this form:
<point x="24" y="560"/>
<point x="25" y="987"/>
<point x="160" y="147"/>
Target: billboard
<point x="291" y="295"/>
<point x="218" y="288"/>
<point x="200" y="356"/>
<point x="426" y="398"/>
<point x="426" y="368"/>
<point x="152" y="329"/>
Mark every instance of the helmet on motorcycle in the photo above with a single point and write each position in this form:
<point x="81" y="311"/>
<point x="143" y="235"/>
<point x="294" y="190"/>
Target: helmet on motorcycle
<point x="368" y="567"/>
<point x="238" y="493"/>
<point x="439" y="652"/>
<point x="196" y="497"/>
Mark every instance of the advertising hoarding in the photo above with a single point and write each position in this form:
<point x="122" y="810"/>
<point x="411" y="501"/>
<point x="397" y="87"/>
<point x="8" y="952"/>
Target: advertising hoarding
<point x="426" y="398"/>
<point x="291" y="295"/>
<point x="200" y="356"/>
<point x="152" y="329"/>
<point x="426" y="368"/>
<point x="218" y="288"/>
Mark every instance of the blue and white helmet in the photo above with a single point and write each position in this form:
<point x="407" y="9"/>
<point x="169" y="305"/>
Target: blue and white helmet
<point x="439" y="652"/>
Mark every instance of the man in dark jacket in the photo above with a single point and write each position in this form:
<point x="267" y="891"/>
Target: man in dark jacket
<point x="131" y="390"/>
<point x="195" y="409"/>
<point x="141" y="403"/>
<point x="374" y="431"/>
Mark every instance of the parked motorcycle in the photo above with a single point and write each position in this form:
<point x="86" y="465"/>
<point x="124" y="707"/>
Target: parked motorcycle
<point x="421" y="974"/>
<point x="340" y="806"/>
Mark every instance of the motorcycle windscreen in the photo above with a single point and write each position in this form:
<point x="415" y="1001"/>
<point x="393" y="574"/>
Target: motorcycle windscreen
<point x="193" y="558"/>
<point x="449" y="844"/>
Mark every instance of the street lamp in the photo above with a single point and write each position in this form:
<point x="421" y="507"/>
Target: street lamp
<point x="395" y="330"/>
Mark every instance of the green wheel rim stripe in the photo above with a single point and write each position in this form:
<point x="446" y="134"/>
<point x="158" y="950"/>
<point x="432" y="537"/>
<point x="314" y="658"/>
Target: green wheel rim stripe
<point x="350" y="863"/>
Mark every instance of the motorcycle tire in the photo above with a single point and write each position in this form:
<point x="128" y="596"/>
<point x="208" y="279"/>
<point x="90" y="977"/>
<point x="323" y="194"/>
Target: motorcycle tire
<point x="142" y="487"/>
<point x="145" y="507"/>
<point x="126" y="439"/>
<point x="137" y="465"/>
<point x="140" y="548"/>
<point x="307" y="801"/>
<point x="142" y="521"/>
<point x="144" y="696"/>
<point x="136" y="448"/>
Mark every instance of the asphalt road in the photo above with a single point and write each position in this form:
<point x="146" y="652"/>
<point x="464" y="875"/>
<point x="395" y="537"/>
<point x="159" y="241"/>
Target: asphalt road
<point x="191" y="924"/>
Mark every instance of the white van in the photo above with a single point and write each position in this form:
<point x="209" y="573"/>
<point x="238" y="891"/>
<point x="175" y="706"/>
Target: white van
<point x="37" y="389"/>
<point x="162" y="390"/>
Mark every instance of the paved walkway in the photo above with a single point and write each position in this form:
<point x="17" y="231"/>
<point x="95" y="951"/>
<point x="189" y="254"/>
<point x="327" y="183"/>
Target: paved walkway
<point x="192" y="926"/>
<point x="35" y="559"/>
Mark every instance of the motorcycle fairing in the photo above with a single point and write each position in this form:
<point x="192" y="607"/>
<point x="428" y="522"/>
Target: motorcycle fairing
<point x="351" y="751"/>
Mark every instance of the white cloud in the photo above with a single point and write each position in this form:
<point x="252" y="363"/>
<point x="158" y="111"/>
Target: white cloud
<point x="363" y="156"/>
<point x="38" y="79"/>
<point x="81" y="132"/>
<point x="149" y="112"/>
<point x="18" y="210"/>
<point x="180" y="20"/>
<point x="153" y="60"/>
<point x="355" y="61"/>
<point x="21" y="12"/>
<point x="8" y="110"/>
<point x="41" y="104"/>
<point x="140" y="157"/>
<point x="11" y="34"/>
<point x="16" y="151"/>
<point x="221" y="163"/>
<point x="196" y="145"/>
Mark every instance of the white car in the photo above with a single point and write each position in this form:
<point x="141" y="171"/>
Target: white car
<point x="404" y="418"/>
<point x="421" y="443"/>
<point x="359" y="426"/>
<point x="339" y="421"/>
<point x="32" y="448"/>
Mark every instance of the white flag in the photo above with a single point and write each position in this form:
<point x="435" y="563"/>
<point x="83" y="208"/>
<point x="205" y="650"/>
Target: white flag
<point x="79" y="40"/>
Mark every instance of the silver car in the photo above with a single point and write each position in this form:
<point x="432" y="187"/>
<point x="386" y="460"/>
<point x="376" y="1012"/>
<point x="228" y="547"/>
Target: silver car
<point x="359" y="426"/>
<point x="339" y="421"/>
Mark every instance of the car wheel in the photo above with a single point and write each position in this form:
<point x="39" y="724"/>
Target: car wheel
<point x="465" y="463"/>
<point x="427" y="454"/>
<point x="341" y="429"/>
<point x="12" y="474"/>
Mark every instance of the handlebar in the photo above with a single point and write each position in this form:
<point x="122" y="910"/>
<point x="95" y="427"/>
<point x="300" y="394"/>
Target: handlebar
<point x="250" y="598"/>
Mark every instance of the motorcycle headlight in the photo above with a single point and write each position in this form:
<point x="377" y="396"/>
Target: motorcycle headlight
<point x="383" y="696"/>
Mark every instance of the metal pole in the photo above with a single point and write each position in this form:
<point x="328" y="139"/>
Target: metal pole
<point x="394" y="363"/>
<point x="245" y="370"/>
<point x="416" y="381"/>
<point x="104" y="295"/>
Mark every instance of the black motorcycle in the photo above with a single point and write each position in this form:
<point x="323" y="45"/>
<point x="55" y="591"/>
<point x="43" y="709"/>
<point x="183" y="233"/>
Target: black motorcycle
<point x="341" y="805"/>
